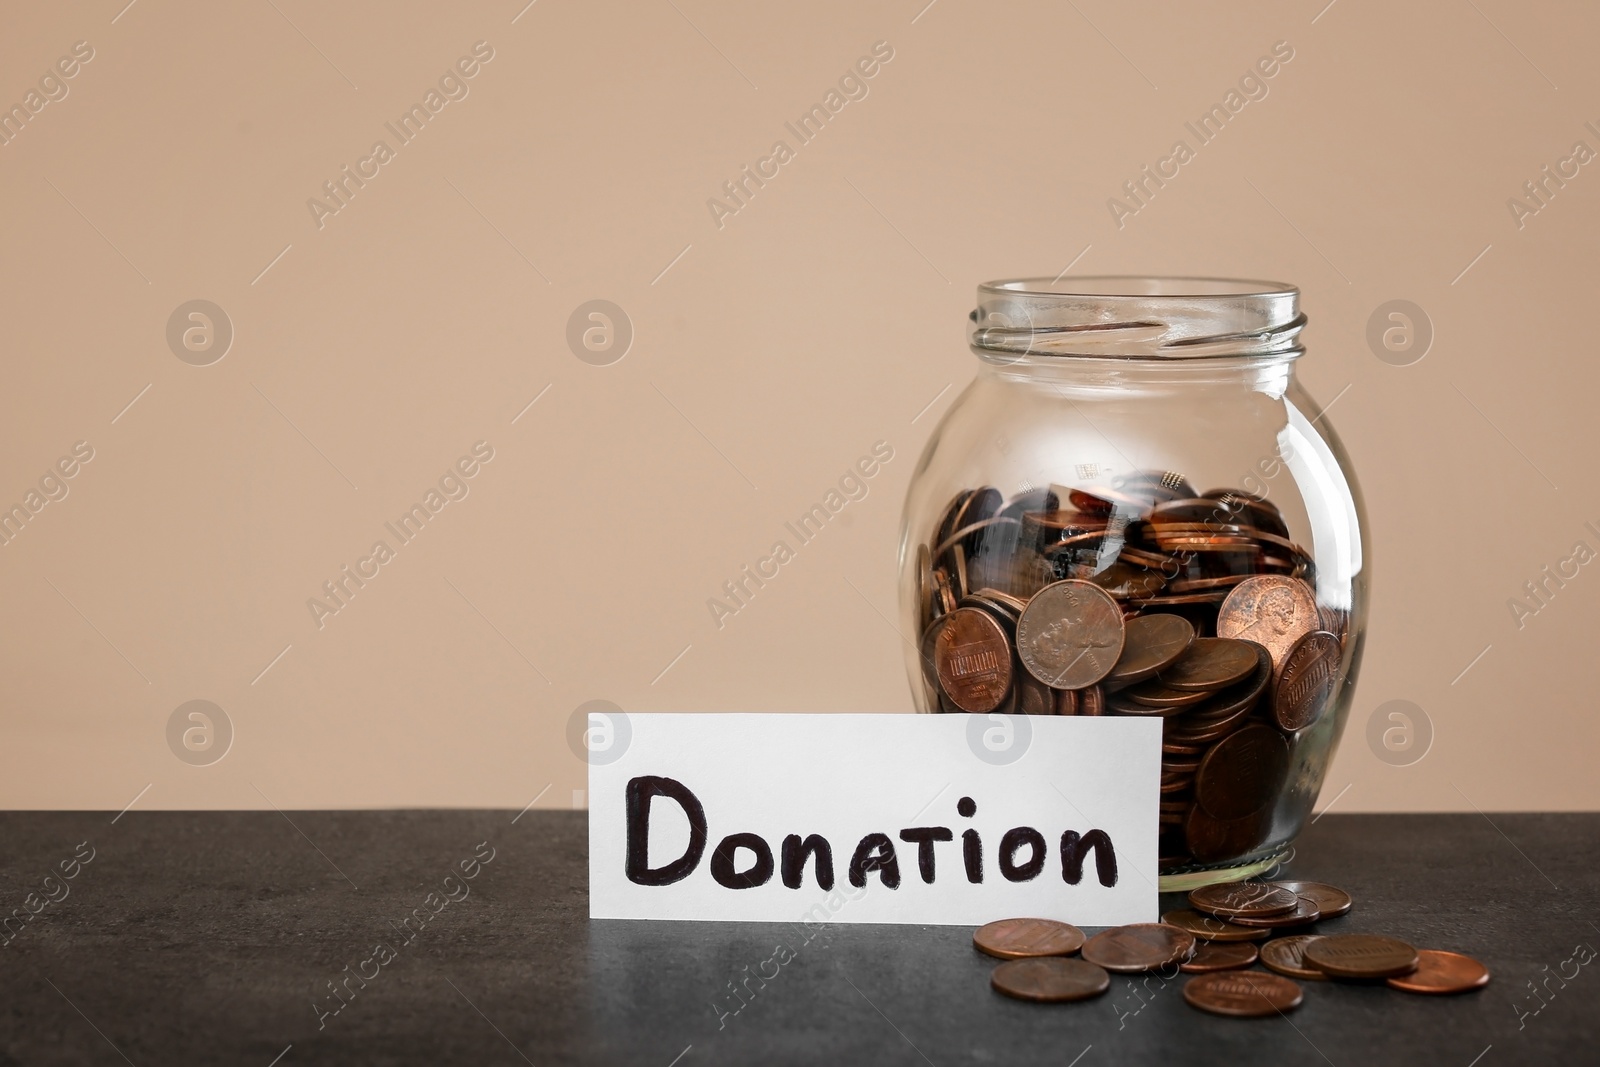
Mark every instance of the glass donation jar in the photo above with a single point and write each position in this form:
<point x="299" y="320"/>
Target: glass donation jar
<point x="1134" y="509"/>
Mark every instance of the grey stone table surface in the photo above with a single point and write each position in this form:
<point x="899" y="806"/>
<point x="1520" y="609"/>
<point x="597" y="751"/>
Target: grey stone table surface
<point x="215" y="937"/>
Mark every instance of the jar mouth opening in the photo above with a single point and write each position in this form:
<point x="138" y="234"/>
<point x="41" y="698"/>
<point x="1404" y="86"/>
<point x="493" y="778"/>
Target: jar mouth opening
<point x="1134" y="317"/>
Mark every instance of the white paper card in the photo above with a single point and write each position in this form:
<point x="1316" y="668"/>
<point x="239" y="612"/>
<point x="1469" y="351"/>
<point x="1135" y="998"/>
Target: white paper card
<point x="864" y="818"/>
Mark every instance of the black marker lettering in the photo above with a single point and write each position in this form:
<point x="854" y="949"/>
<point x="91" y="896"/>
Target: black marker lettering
<point x="972" y="855"/>
<point x="924" y="837"/>
<point x="640" y="792"/>
<point x="1015" y="839"/>
<point x="724" y="870"/>
<point x="1075" y="848"/>
<point x="795" y="852"/>
<point x="875" y="853"/>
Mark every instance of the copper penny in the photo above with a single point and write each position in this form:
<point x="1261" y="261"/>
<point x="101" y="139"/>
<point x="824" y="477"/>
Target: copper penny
<point x="1271" y="610"/>
<point x="1211" y="956"/>
<point x="1071" y="634"/>
<point x="1092" y="701"/>
<point x="1242" y="774"/>
<point x="1138" y="948"/>
<point x="1331" y="900"/>
<point x="1211" y="840"/>
<point x="1211" y="663"/>
<point x="1242" y="898"/>
<point x="1018" y="939"/>
<point x="1033" y="696"/>
<point x="1155" y="694"/>
<point x="1050" y="979"/>
<point x="1442" y="972"/>
<point x="973" y="660"/>
<point x="1066" y="701"/>
<point x="1302" y="914"/>
<point x="1306" y="680"/>
<point x="1361" y="956"/>
<point x="1286" y="955"/>
<point x="1246" y="994"/>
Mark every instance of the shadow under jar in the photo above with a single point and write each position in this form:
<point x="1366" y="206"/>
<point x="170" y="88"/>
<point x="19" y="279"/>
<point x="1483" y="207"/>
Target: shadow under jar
<point x="1134" y="509"/>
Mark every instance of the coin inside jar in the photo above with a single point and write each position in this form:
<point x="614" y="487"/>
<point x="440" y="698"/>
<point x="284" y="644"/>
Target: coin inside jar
<point x="1271" y="610"/>
<point x="1245" y="994"/>
<point x="1138" y="947"/>
<point x="1150" y="643"/>
<point x="1050" y="979"/>
<point x="1306" y="680"/>
<point x="1361" y="956"/>
<point x="1070" y="635"/>
<point x="973" y="660"/>
<point x="1442" y="973"/>
<point x="1211" y="663"/>
<point x="1015" y="939"/>
<point x="1242" y="774"/>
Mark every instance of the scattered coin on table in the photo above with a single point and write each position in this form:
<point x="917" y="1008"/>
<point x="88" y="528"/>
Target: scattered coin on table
<point x="1210" y="928"/>
<point x="1361" y="956"/>
<point x="1242" y="898"/>
<point x="1286" y="955"/>
<point x="1015" y="939"/>
<point x="1050" y="979"/>
<point x="1138" y="947"/>
<point x="1442" y="972"/>
<point x="1247" y="994"/>
<point x="1304" y="913"/>
<point x="1332" y="902"/>
<point x="1210" y="956"/>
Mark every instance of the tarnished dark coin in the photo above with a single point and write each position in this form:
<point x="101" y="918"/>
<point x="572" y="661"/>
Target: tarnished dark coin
<point x="1070" y="635"/>
<point x="1211" y="663"/>
<point x="1210" y="928"/>
<point x="944" y="594"/>
<point x="1242" y="899"/>
<point x="1243" y="773"/>
<point x="1092" y="701"/>
<point x="1271" y="610"/>
<point x="1138" y="948"/>
<point x="1050" y="979"/>
<point x="952" y="512"/>
<point x="1442" y="972"/>
<point x="1246" y="994"/>
<point x="1066" y="700"/>
<point x="1213" y="956"/>
<point x="1150" y="643"/>
<point x="1302" y="914"/>
<point x="973" y="660"/>
<point x="1331" y="900"/>
<point x="1033" y="696"/>
<point x="1211" y="840"/>
<point x="1361" y="956"/>
<point x="1306" y="680"/>
<point x="1016" y="939"/>
<point x="1286" y="955"/>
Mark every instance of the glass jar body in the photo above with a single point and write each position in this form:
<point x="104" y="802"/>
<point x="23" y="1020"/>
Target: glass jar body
<point x="1170" y="484"/>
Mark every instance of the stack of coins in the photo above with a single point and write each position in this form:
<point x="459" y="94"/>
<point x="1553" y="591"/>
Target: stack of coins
<point x="1211" y="940"/>
<point x="1141" y="599"/>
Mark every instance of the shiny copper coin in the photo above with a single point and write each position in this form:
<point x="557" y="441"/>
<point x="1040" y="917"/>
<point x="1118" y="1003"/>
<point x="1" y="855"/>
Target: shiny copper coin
<point x="1211" y="663"/>
<point x="1306" y="680"/>
<point x="1210" y="928"/>
<point x="1286" y="955"/>
<point x="1213" y="956"/>
<point x="1331" y="900"/>
<point x="1071" y="634"/>
<point x="1442" y="972"/>
<point x="1304" y="913"/>
<point x="1242" y="774"/>
<point x="1138" y="948"/>
<point x="1092" y="701"/>
<point x="1361" y="956"/>
<point x="1271" y="610"/>
<point x="1017" y="939"/>
<point x="1066" y="701"/>
<point x="1245" y="994"/>
<point x="1242" y="898"/>
<point x="973" y="660"/>
<point x="1050" y="979"/>
<point x="1150" y="643"/>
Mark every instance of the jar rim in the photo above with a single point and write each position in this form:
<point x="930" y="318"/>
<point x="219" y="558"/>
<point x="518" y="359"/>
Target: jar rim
<point x="1135" y="317"/>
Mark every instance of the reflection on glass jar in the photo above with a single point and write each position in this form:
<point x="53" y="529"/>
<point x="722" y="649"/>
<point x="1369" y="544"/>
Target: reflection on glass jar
<point x="1134" y="509"/>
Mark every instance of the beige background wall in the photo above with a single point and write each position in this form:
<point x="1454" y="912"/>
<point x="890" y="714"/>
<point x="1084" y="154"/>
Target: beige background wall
<point x="373" y="351"/>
